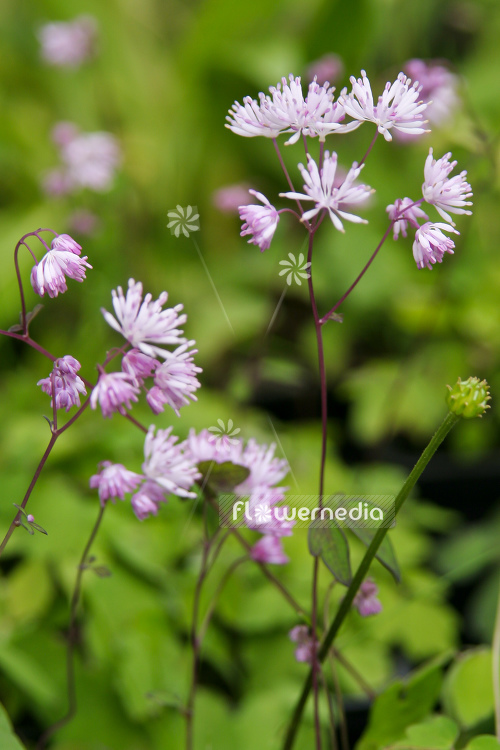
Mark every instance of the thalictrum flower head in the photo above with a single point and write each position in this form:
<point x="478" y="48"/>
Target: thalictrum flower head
<point x="403" y="212"/>
<point x="269" y="549"/>
<point x="139" y="365"/>
<point x="320" y="188"/>
<point x="68" y="43"/>
<point x="443" y="193"/>
<point x="167" y="464"/>
<point x="146" y="501"/>
<point x="114" y="480"/>
<point x="144" y="323"/>
<point x="265" y="469"/>
<point x="366" y="601"/>
<point x="67" y="243"/>
<point x="49" y="275"/>
<point x="64" y="381"/>
<point x="260" y="222"/>
<point x="305" y="645"/>
<point x="91" y="160"/>
<point x="439" y="88"/>
<point x="431" y="244"/>
<point x="175" y="380"/>
<point x="250" y="119"/>
<point x="114" y="391"/>
<point x="398" y="107"/>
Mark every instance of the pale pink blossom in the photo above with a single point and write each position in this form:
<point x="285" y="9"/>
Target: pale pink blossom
<point x="65" y="383"/>
<point x="260" y="222"/>
<point x="49" y="275"/>
<point x="113" y="481"/>
<point x="56" y="182"/>
<point x="146" y="501"/>
<point x="139" y="365"/>
<point x="366" y="601"/>
<point x="320" y="188"/>
<point x="327" y="69"/>
<point x="176" y="379"/>
<point x="84" y="222"/>
<point x="229" y="198"/>
<point x="143" y="322"/>
<point x="431" y="244"/>
<point x="305" y="645"/>
<point x="66" y="243"/>
<point x="250" y="119"/>
<point x="167" y="464"/>
<point x="204" y="446"/>
<point x="443" y="193"/>
<point x="114" y="391"/>
<point x="68" y="44"/>
<point x="269" y="549"/>
<point x="91" y="160"/>
<point x="438" y="88"/>
<point x="265" y="469"/>
<point x="400" y="105"/>
<point x="403" y="212"/>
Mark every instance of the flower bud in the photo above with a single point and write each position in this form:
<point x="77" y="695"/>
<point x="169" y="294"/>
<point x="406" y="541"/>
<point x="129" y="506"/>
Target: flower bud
<point x="468" y="398"/>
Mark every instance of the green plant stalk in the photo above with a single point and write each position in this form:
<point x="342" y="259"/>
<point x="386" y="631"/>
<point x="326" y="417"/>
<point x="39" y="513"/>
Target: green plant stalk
<point x="449" y="421"/>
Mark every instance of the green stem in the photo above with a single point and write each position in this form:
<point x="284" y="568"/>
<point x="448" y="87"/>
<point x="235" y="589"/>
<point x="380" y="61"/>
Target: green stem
<point x="449" y="421"/>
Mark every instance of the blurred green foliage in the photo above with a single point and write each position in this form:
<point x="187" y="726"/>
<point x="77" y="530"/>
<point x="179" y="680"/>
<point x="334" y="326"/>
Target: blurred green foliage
<point x="162" y="81"/>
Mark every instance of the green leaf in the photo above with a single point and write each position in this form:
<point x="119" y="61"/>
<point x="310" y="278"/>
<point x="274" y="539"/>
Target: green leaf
<point x="468" y="688"/>
<point x="331" y="545"/>
<point x="437" y="733"/>
<point x="402" y="704"/>
<point x="8" y="740"/>
<point x="222" y="477"/>
<point x="385" y="553"/>
<point x="484" y="742"/>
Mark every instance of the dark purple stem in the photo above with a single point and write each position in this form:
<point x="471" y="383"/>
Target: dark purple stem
<point x="324" y="426"/>
<point x="369" y="149"/>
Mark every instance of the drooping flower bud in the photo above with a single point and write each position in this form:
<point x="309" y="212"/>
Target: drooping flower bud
<point x="468" y="398"/>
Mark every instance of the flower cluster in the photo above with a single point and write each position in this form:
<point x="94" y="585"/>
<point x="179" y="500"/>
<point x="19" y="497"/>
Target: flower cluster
<point x="64" y="383"/>
<point x="88" y="160"/>
<point x="447" y="195"/>
<point x="168" y="469"/>
<point x="148" y="328"/>
<point x="68" y="44"/>
<point x="60" y="262"/>
<point x="260" y="487"/>
<point x="438" y="88"/>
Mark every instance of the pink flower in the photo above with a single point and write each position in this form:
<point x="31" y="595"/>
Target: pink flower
<point x="366" y="601"/>
<point x="265" y="469"/>
<point x="269" y="550"/>
<point x="56" y="183"/>
<point x="64" y="381"/>
<point x="84" y="222"/>
<point x="431" y="244"/>
<point x="114" y="391"/>
<point x="91" y="160"/>
<point x="305" y="645"/>
<point x="250" y="119"/>
<point x="49" y="275"/>
<point x="259" y="221"/>
<point x="146" y="501"/>
<point x="399" y="106"/>
<point x="205" y="446"/>
<point x="402" y="215"/>
<point x="443" y="193"/>
<point x="143" y="323"/>
<point x="167" y="464"/>
<point x="113" y="481"/>
<point x="68" y="44"/>
<point x="176" y="379"/>
<point x="438" y="88"/>
<point x="228" y="199"/>
<point x="67" y="244"/>
<point x="139" y="365"/>
<point x="327" y="69"/>
<point x="320" y="188"/>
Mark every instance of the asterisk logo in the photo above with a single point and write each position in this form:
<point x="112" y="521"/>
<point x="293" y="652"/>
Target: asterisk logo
<point x="296" y="269"/>
<point x="262" y="513"/>
<point x="223" y="437"/>
<point x="184" y="220"/>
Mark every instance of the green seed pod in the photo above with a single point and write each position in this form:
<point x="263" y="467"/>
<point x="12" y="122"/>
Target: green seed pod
<point x="468" y="398"/>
